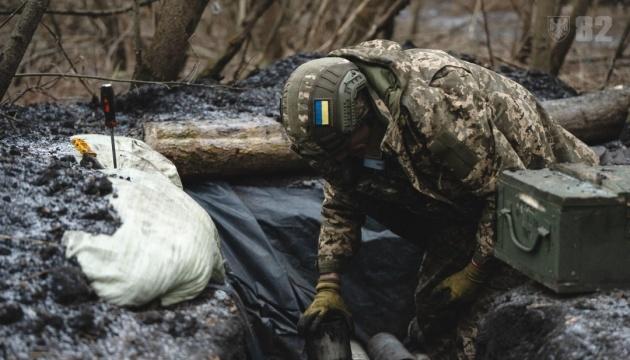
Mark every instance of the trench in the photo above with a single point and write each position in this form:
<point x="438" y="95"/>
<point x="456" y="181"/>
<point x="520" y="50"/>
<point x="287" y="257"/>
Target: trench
<point x="48" y="309"/>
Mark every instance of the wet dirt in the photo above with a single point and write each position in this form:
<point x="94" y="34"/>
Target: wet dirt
<point x="530" y="322"/>
<point x="47" y="308"/>
<point x="46" y="305"/>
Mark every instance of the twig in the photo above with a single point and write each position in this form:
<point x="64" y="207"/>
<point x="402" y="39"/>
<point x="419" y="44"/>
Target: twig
<point x="618" y="52"/>
<point x="38" y="86"/>
<point x="485" y="28"/>
<point x="323" y="6"/>
<point x="130" y="81"/>
<point x="382" y="21"/>
<point x="65" y="55"/>
<point x="11" y="15"/>
<point x="89" y="13"/>
<point x="236" y="42"/>
<point x="192" y="75"/>
<point x="272" y="34"/>
<point x="344" y="28"/>
<point x="243" y="63"/>
<point x="10" y="120"/>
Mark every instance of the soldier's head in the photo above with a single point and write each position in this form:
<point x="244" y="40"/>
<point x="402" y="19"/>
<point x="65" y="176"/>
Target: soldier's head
<point x="324" y="104"/>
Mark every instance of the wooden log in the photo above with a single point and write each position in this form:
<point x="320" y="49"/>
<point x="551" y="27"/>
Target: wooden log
<point x="258" y="144"/>
<point x="227" y="147"/>
<point x="594" y="117"/>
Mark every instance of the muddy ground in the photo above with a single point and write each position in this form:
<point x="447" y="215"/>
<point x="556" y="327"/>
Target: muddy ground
<point x="46" y="306"/>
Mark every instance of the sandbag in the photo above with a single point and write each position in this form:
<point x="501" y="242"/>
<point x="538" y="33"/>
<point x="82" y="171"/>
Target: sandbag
<point x="167" y="247"/>
<point x="130" y="153"/>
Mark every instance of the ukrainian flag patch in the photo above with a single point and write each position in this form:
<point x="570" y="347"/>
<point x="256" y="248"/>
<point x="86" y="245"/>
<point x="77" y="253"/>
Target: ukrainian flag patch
<point x="322" y="112"/>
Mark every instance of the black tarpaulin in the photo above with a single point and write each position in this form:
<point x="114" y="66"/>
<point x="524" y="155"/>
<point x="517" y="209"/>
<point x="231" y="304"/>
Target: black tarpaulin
<point x="269" y="241"/>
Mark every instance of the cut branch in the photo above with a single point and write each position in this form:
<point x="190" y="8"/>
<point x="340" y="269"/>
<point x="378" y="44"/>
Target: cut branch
<point x="13" y="51"/>
<point x="209" y="148"/>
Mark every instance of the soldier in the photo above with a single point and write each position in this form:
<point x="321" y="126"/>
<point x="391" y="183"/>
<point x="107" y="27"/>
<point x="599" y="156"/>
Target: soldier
<point x="416" y="131"/>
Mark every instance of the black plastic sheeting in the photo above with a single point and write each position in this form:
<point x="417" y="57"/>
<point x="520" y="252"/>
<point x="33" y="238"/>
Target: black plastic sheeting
<point x="269" y="241"/>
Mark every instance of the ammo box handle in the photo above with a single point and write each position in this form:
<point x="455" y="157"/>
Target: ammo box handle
<point x="534" y="237"/>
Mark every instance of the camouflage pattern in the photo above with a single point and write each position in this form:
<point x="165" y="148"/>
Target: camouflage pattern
<point x="453" y="128"/>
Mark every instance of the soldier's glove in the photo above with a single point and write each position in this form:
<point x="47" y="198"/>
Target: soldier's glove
<point x="327" y="304"/>
<point x="458" y="288"/>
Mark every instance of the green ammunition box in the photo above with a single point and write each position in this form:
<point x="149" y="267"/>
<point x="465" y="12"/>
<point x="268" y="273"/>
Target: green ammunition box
<point x="567" y="227"/>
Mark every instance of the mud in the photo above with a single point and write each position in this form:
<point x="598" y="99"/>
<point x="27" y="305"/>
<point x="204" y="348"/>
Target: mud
<point x="530" y="322"/>
<point x="47" y="308"/>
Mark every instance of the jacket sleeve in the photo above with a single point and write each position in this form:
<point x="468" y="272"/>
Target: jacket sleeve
<point x="475" y="151"/>
<point x="340" y="234"/>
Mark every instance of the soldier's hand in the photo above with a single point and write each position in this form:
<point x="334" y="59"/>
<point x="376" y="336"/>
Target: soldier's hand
<point x="458" y="288"/>
<point x="327" y="304"/>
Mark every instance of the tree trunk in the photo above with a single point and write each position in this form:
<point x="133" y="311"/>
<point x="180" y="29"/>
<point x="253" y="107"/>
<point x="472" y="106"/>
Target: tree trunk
<point x="166" y="56"/>
<point x="259" y="145"/>
<point x="561" y="48"/>
<point x="595" y="117"/>
<point x="416" y="13"/>
<point x="14" y="48"/>
<point x="541" y="40"/>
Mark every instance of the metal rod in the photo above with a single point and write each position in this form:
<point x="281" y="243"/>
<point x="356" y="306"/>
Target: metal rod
<point x="113" y="148"/>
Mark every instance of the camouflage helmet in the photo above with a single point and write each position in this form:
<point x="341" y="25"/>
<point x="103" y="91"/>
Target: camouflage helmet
<point x="318" y="106"/>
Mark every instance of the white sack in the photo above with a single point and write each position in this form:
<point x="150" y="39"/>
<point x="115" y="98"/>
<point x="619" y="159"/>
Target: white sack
<point x="130" y="153"/>
<point x="167" y="246"/>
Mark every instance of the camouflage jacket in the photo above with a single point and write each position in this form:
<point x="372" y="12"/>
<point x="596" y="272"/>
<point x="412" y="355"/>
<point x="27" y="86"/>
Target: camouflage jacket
<point x="452" y="128"/>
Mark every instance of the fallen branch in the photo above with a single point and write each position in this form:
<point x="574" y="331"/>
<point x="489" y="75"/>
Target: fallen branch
<point x="89" y="13"/>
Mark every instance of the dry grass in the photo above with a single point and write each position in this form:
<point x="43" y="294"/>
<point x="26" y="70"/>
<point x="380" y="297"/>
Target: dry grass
<point x="104" y="46"/>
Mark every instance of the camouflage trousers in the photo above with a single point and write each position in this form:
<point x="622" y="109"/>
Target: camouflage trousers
<point x="447" y="237"/>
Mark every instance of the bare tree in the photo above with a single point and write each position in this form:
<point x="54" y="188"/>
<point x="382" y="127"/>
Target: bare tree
<point x="547" y="55"/>
<point x="561" y="48"/>
<point x="166" y="56"/>
<point x="541" y="39"/>
<point x="14" y="49"/>
<point x="237" y="41"/>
